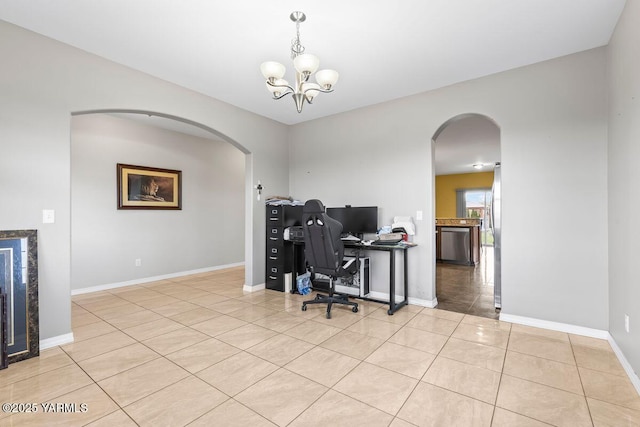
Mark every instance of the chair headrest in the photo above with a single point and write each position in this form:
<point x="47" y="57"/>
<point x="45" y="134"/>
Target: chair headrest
<point x="313" y="206"/>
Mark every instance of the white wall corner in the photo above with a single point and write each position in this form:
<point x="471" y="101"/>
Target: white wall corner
<point x="578" y="330"/>
<point x="424" y="302"/>
<point x="56" y="341"/>
<point x="633" y="376"/>
<point x="256" y="288"/>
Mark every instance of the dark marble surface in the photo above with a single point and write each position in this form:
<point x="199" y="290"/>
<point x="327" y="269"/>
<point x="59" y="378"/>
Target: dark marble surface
<point x="467" y="289"/>
<point x="4" y="361"/>
<point x="33" y="327"/>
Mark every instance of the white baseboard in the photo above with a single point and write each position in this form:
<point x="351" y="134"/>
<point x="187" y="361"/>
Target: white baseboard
<point x="256" y="288"/>
<point x="55" y="341"/>
<point x="151" y="279"/>
<point x="555" y="326"/>
<point x="578" y="330"/>
<point x="399" y="298"/>
<point x="625" y="364"/>
<point x="384" y="296"/>
<point x="424" y="302"/>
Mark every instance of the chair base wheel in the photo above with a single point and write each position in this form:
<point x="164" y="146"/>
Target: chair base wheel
<point x="354" y="309"/>
<point x="304" y="307"/>
<point x="328" y="315"/>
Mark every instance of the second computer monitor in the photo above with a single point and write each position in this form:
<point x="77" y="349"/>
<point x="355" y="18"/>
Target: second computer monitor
<point x="356" y="220"/>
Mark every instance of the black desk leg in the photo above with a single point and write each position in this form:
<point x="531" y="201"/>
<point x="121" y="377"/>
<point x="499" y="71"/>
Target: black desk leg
<point x="406" y="278"/>
<point x="393" y="307"/>
<point x="392" y="283"/>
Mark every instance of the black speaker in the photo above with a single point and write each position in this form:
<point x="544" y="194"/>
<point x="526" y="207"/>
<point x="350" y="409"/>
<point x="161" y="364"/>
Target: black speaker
<point x="4" y="360"/>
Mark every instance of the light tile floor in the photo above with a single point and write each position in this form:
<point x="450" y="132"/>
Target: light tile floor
<point x="198" y="351"/>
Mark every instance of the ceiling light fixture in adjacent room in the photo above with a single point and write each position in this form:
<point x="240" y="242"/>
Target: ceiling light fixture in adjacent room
<point x="305" y="65"/>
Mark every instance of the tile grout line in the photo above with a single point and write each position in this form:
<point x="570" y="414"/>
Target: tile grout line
<point x="584" y="392"/>
<point x="360" y="361"/>
<point x="504" y="361"/>
<point x="120" y="408"/>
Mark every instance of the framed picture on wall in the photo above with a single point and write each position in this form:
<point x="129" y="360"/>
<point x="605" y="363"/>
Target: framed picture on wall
<point x="143" y="187"/>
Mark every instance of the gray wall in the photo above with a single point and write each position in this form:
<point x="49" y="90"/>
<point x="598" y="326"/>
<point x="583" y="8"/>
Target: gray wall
<point x="207" y="232"/>
<point x="624" y="175"/>
<point x="553" y="124"/>
<point x="42" y="83"/>
<point x="553" y="120"/>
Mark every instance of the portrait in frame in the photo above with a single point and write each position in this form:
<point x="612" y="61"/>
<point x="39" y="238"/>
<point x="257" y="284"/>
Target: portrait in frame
<point x="144" y="187"/>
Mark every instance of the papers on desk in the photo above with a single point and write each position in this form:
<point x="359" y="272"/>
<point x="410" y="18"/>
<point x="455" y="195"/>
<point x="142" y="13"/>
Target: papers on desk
<point x="405" y="222"/>
<point x="280" y="200"/>
<point x="350" y="238"/>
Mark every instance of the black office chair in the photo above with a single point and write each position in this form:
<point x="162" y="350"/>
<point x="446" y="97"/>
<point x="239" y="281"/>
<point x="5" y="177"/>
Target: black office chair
<point x="324" y="252"/>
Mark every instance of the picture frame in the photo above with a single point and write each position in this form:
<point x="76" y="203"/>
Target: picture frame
<point x="144" y="187"/>
<point x="19" y="284"/>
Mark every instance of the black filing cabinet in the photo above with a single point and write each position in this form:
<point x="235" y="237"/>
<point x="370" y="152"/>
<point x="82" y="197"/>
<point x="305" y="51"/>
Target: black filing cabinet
<point x="279" y="256"/>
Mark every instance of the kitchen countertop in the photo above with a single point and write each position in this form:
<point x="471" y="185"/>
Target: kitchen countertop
<point x="458" y="222"/>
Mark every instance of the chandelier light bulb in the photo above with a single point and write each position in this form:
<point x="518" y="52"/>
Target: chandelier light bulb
<point x="327" y="78"/>
<point x="278" y="87"/>
<point x="272" y="70"/>
<point x="306" y="63"/>
<point x="309" y="91"/>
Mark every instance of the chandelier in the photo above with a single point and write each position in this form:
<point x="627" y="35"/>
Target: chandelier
<point x="305" y="65"/>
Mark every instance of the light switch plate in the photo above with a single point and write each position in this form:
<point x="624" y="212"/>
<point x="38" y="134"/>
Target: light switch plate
<point x="48" y="216"/>
<point x="419" y="216"/>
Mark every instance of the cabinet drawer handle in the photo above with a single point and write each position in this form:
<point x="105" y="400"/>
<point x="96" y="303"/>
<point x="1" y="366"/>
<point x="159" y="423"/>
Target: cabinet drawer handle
<point x="273" y="238"/>
<point x="273" y="219"/>
<point x="273" y="257"/>
<point x="273" y="278"/>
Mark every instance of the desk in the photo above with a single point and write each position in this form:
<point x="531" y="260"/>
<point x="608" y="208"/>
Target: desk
<point x="392" y="249"/>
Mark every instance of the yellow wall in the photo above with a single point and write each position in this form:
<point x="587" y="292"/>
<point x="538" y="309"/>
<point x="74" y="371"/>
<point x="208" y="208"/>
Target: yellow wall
<point x="446" y="186"/>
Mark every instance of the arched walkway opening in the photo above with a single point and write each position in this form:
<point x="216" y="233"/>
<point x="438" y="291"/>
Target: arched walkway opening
<point x="466" y="152"/>
<point x="115" y="247"/>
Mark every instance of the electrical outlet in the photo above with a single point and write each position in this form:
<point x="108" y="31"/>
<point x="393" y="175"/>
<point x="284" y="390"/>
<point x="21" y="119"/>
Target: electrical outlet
<point x="48" y="216"/>
<point x="626" y="323"/>
<point x="138" y="262"/>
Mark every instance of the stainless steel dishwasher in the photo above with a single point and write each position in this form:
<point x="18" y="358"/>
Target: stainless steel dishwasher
<point x="456" y="243"/>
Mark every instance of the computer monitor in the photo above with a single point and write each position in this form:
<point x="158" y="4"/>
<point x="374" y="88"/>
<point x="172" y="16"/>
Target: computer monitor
<point x="356" y="220"/>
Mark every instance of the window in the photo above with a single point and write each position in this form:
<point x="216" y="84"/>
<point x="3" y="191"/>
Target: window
<point x="476" y="203"/>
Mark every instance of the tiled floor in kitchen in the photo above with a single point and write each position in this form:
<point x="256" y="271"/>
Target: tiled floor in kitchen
<point x="467" y="289"/>
<point x="199" y="351"/>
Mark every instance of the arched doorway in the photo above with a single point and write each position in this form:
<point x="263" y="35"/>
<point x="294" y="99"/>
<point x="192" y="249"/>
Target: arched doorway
<point x="466" y="151"/>
<point x="165" y="242"/>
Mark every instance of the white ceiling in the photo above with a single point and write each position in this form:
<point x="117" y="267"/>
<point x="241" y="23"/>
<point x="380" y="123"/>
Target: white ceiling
<point x="383" y="49"/>
<point x="465" y="142"/>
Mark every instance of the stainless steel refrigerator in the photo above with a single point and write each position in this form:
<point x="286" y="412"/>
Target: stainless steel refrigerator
<point x="496" y="217"/>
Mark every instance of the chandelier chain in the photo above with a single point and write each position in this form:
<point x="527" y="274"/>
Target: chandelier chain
<point x="296" y="45"/>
